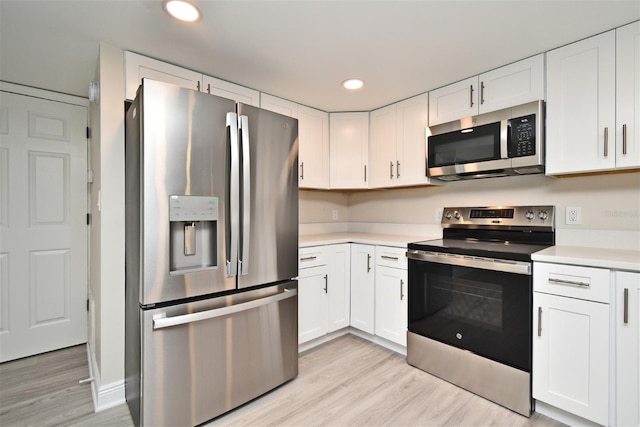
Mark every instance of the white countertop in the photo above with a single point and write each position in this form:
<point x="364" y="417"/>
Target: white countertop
<point x="394" y="240"/>
<point x="617" y="259"/>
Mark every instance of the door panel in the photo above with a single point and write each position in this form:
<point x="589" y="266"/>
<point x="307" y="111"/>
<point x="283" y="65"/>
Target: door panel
<point x="272" y="226"/>
<point x="43" y="248"/>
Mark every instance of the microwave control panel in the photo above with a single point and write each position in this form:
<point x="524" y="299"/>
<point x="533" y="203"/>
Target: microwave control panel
<point x="522" y="136"/>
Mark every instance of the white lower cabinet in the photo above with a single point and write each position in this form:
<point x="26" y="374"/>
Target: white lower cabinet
<point x="627" y="348"/>
<point x="391" y="294"/>
<point x="571" y="339"/>
<point x="323" y="290"/>
<point x="362" y="287"/>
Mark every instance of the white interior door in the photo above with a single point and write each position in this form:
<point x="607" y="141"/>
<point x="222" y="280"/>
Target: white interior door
<point x="43" y="244"/>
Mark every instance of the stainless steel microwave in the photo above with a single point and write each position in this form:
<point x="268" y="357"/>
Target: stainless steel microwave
<point x="501" y="143"/>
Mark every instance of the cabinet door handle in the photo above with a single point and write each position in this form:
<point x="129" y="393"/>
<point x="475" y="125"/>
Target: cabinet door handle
<point x="301" y="170"/>
<point x="308" y="258"/>
<point x="568" y="282"/>
<point x="401" y="285"/>
<point x="624" y="139"/>
<point x="365" y="173"/>
<point x="198" y="86"/>
<point x="326" y="283"/>
<point x="470" y="95"/>
<point x="391" y="170"/>
<point x="606" y="141"/>
<point x="209" y="88"/>
<point x="626" y="306"/>
<point x="397" y="169"/>
<point x="539" y="321"/>
<point x="481" y="93"/>
<point x="368" y="263"/>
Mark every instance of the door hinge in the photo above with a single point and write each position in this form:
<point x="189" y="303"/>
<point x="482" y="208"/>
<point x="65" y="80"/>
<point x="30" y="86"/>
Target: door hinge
<point x="88" y="219"/>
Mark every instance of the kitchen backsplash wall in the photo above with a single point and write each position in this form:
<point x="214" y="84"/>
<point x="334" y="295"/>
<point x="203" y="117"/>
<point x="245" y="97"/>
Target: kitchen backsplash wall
<point x="610" y="205"/>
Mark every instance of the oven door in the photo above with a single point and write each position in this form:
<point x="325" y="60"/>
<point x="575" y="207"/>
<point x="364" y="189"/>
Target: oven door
<point x="477" y="304"/>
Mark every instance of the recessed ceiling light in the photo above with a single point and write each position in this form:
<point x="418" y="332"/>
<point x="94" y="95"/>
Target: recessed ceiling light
<point x="182" y="10"/>
<point x="352" y="84"/>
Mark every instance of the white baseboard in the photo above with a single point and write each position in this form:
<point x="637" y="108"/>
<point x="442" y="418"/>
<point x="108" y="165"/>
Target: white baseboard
<point x="104" y="396"/>
<point x="349" y="330"/>
<point x="562" y="416"/>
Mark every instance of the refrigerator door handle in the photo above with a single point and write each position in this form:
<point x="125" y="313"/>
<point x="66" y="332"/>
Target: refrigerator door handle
<point x="161" y="321"/>
<point x="243" y="262"/>
<point x="233" y="209"/>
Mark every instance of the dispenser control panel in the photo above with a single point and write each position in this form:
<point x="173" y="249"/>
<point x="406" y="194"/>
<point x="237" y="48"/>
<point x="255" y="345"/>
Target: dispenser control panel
<point x="193" y="208"/>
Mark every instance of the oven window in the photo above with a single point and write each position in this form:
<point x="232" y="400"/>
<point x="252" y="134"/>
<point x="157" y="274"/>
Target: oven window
<point x="483" y="311"/>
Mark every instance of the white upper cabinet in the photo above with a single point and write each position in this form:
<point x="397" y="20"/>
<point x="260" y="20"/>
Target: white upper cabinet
<point x="313" y="151"/>
<point x="383" y="158"/>
<point x="397" y="144"/>
<point x="349" y="149"/>
<point x="627" y="132"/>
<point x="279" y="105"/>
<point x="229" y="90"/>
<point x="513" y="84"/>
<point x="581" y="106"/>
<point x="453" y="102"/>
<point x="138" y="67"/>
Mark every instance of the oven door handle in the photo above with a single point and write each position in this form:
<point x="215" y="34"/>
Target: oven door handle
<point x="507" y="266"/>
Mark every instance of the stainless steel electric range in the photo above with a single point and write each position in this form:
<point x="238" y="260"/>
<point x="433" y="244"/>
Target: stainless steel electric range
<point x="470" y="300"/>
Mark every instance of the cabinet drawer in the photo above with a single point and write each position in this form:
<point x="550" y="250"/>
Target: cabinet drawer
<point x="587" y="283"/>
<point x="391" y="257"/>
<point x="312" y="256"/>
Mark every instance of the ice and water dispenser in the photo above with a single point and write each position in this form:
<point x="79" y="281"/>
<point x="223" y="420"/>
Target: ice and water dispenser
<point x="194" y="233"/>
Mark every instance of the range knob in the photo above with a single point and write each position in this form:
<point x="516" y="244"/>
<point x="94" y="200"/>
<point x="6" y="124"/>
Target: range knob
<point x="447" y="215"/>
<point x="456" y="215"/>
<point x="543" y="215"/>
<point x="529" y="215"/>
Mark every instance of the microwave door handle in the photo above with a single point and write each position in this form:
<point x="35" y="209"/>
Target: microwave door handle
<point x="243" y="261"/>
<point x="505" y="136"/>
<point x="234" y="197"/>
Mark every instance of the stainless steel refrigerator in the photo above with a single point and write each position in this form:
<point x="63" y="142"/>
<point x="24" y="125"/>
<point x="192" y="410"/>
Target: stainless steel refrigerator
<point x="211" y="254"/>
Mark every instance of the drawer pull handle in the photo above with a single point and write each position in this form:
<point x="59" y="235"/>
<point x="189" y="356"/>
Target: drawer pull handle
<point x="390" y="258"/>
<point x="308" y="258"/>
<point x="626" y="306"/>
<point x="568" y="282"/>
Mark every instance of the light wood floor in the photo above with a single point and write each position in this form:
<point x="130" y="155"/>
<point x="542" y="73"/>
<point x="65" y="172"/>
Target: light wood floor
<point x="346" y="382"/>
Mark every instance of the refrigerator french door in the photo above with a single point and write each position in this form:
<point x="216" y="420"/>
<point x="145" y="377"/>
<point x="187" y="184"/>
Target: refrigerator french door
<point x="211" y="223"/>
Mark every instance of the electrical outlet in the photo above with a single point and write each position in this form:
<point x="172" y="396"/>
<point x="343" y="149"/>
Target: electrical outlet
<point x="438" y="214"/>
<point x="334" y="214"/>
<point x="573" y="215"/>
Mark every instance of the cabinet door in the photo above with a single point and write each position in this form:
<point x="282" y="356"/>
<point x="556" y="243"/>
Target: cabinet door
<point x="391" y="304"/>
<point x="338" y="288"/>
<point x="138" y="67"/>
<point x="349" y="149"/>
<point x="453" y="102"/>
<point x="513" y="84"/>
<point x="628" y="96"/>
<point x="362" y="287"/>
<point x="278" y="105"/>
<point x="313" y="152"/>
<point x="312" y="303"/>
<point x="412" y="116"/>
<point x="571" y="355"/>
<point x="581" y="106"/>
<point x="628" y="348"/>
<point x="230" y="90"/>
<point x="383" y="158"/>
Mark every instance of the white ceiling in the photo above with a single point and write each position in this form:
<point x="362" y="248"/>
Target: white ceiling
<point x="299" y="49"/>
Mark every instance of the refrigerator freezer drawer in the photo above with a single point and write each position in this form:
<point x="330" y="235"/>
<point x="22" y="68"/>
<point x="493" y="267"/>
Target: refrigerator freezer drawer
<point x="202" y="359"/>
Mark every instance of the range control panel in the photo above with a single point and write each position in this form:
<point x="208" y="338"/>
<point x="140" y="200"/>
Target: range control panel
<point x="499" y="216"/>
